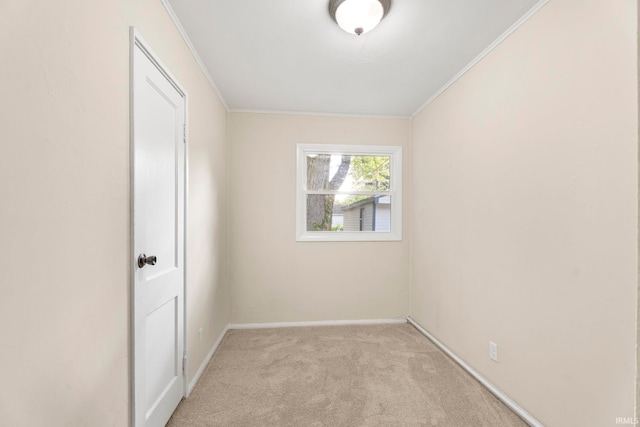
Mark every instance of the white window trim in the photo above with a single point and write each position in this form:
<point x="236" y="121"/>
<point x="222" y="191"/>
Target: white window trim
<point x="395" y="191"/>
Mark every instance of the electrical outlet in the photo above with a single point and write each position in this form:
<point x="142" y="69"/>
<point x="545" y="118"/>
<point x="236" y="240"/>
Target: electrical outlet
<point x="493" y="351"/>
<point x="199" y="336"/>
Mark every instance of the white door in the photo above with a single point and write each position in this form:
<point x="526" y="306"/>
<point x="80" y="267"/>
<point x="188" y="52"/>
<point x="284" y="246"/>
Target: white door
<point x="158" y="233"/>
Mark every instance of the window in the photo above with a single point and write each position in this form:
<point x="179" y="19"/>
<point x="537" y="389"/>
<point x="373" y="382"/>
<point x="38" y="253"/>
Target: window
<point x="349" y="193"/>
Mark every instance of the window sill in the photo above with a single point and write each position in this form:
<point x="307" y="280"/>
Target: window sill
<point x="347" y="236"/>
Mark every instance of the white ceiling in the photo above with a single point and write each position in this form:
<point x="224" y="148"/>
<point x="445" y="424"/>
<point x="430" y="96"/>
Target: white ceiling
<point x="290" y="56"/>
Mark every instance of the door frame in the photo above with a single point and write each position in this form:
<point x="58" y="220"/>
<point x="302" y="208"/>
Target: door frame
<point x="136" y="40"/>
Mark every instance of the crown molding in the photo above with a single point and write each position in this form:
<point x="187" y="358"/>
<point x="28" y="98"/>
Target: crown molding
<point x="194" y="52"/>
<point x="312" y="113"/>
<point x="482" y="54"/>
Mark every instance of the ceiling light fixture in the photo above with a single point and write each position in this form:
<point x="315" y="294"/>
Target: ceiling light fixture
<point x="358" y="16"/>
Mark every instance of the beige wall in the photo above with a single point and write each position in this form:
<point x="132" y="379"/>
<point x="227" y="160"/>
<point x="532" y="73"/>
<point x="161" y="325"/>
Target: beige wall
<point x="276" y="279"/>
<point x="525" y="213"/>
<point x="637" y="411"/>
<point x="64" y="217"/>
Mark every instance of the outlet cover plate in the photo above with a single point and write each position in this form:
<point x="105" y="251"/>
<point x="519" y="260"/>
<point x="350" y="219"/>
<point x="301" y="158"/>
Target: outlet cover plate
<point x="493" y="351"/>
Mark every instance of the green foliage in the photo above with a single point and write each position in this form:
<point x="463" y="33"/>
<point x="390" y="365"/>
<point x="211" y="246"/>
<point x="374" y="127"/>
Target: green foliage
<point x="371" y="172"/>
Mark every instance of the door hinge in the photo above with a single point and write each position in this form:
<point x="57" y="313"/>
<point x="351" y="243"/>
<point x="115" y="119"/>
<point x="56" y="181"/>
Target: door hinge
<point x="184" y="139"/>
<point x="184" y="365"/>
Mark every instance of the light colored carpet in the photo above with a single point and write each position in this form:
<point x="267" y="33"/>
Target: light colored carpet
<point x="379" y="375"/>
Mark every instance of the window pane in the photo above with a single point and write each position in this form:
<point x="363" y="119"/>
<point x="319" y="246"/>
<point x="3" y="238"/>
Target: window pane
<point x="340" y="194"/>
<point x="327" y="212"/>
<point x="335" y="172"/>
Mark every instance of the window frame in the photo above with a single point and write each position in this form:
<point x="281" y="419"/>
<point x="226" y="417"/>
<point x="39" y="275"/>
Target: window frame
<point x="395" y="191"/>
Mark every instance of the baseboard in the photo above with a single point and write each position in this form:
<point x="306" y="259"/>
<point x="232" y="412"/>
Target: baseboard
<point x="206" y="361"/>
<point x="316" y="323"/>
<point x="527" y="417"/>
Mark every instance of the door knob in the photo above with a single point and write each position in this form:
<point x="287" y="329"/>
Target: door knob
<point x="144" y="260"/>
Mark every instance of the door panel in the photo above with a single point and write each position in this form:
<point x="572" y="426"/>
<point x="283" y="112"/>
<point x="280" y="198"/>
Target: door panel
<point x="159" y="182"/>
<point x="158" y="229"/>
<point x="161" y="370"/>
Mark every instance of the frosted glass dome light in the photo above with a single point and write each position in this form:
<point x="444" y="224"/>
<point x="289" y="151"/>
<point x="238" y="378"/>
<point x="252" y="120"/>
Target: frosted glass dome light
<point x="358" y="16"/>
